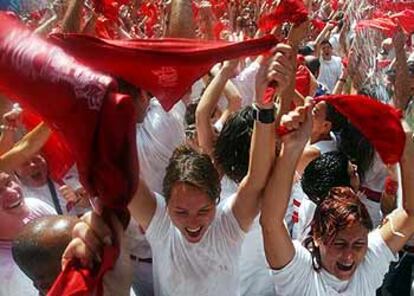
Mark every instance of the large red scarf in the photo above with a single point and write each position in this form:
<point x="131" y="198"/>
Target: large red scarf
<point x="378" y="122"/>
<point x="96" y="123"/>
<point x="167" y="68"/>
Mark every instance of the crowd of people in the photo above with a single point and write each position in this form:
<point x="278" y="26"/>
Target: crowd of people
<point x="249" y="185"/>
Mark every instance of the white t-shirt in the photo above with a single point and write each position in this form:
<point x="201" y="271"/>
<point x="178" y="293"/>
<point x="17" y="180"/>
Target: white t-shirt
<point x="299" y="278"/>
<point x="43" y="193"/>
<point x="330" y="71"/>
<point x="13" y="282"/>
<point x="302" y="227"/>
<point x="209" y="267"/>
<point x="255" y="279"/>
<point x="157" y="137"/>
<point x="326" y="146"/>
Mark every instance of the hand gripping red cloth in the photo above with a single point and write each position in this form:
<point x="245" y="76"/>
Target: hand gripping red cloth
<point x="97" y="124"/>
<point x="378" y="122"/>
<point x="167" y="68"/>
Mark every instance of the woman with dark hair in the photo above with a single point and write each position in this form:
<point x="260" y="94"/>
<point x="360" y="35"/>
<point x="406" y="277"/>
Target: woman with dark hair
<point x="372" y="171"/>
<point x="344" y="255"/>
<point x="196" y="244"/>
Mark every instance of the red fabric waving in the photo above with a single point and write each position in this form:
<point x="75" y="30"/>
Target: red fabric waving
<point x="109" y="8"/>
<point x="170" y="66"/>
<point x="303" y="80"/>
<point x="293" y="11"/>
<point x="386" y="25"/>
<point x="378" y="122"/>
<point x="97" y="124"/>
<point x="58" y="156"/>
<point x="405" y="19"/>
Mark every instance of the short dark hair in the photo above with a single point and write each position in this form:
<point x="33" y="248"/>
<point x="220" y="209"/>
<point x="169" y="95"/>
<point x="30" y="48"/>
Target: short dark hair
<point x="313" y="64"/>
<point x="194" y="168"/>
<point x="232" y="147"/>
<point x="189" y="116"/>
<point x="326" y="41"/>
<point x="323" y="173"/>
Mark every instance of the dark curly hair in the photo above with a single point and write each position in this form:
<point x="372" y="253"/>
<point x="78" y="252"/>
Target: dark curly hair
<point x="189" y="166"/>
<point x="232" y="147"/>
<point x="323" y="173"/>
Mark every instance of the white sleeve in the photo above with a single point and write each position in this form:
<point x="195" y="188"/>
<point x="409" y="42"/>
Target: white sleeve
<point x="160" y="223"/>
<point x="228" y="226"/>
<point x="377" y="260"/>
<point x="291" y="279"/>
<point x="158" y="136"/>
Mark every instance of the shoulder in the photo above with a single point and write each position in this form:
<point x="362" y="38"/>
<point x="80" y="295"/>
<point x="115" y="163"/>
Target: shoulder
<point x="39" y="207"/>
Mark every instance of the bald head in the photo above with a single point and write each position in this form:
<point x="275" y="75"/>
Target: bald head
<point x="38" y="248"/>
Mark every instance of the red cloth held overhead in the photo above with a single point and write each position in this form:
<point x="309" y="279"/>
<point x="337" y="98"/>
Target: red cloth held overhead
<point x="405" y="19"/>
<point x="293" y="11"/>
<point x="167" y="68"/>
<point x="378" y="122"/>
<point x="386" y="25"/>
<point x="80" y="104"/>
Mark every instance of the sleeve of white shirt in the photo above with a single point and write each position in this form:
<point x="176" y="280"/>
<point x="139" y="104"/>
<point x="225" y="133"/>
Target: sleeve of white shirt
<point x="158" y="136"/>
<point x="228" y="225"/>
<point x="377" y="260"/>
<point x="160" y="222"/>
<point x="291" y="279"/>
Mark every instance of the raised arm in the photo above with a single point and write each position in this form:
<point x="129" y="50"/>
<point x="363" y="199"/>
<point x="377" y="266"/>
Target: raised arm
<point x="262" y="148"/>
<point x="208" y="104"/>
<point x="26" y="148"/>
<point x="277" y="241"/>
<point x="400" y="224"/>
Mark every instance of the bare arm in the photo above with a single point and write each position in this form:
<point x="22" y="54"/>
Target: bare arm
<point x="143" y="205"/>
<point x="277" y="241"/>
<point x="207" y="105"/>
<point x="400" y="224"/>
<point x="262" y="149"/>
<point x="71" y="20"/>
<point x="26" y="148"/>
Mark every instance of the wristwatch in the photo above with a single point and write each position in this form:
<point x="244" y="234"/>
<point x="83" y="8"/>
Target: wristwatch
<point x="263" y="115"/>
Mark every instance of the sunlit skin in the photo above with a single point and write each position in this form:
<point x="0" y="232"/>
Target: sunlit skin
<point x="13" y="209"/>
<point x="342" y="256"/>
<point x="33" y="173"/>
<point x="191" y="211"/>
<point x="321" y="127"/>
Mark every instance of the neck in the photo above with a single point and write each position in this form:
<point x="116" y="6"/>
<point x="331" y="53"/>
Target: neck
<point x="320" y="137"/>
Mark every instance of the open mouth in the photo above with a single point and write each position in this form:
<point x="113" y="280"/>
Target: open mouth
<point x="345" y="266"/>
<point x="36" y="176"/>
<point x="194" y="232"/>
<point x="12" y="203"/>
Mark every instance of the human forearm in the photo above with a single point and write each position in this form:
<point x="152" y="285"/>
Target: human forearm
<point x="71" y="20"/>
<point x="26" y="148"/>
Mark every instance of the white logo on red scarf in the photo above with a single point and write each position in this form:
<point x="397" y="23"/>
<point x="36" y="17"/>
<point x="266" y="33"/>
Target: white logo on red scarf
<point x="167" y="76"/>
<point x="38" y="59"/>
